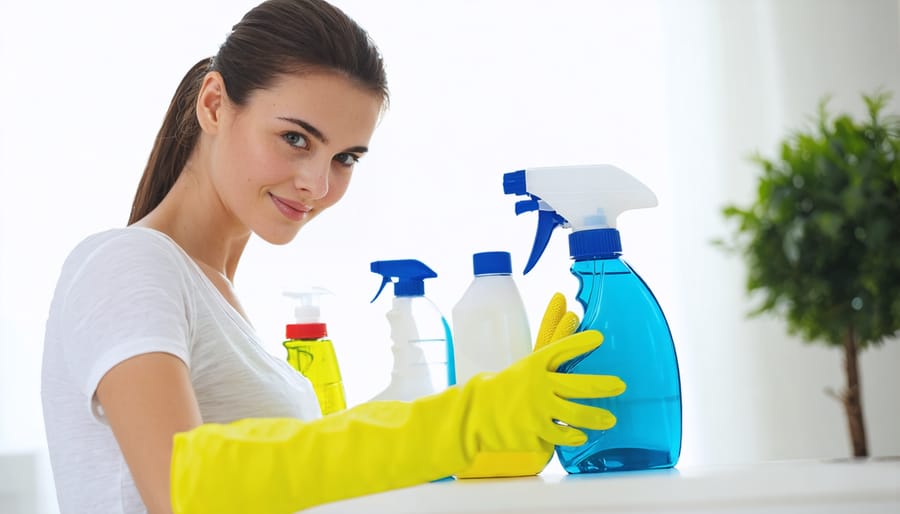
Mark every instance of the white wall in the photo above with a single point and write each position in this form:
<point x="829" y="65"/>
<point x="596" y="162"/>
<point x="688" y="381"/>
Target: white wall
<point x="676" y="93"/>
<point x="844" y="49"/>
<point x="741" y="75"/>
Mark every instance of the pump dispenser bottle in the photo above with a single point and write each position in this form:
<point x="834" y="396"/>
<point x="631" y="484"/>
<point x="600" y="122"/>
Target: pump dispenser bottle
<point x="422" y="342"/>
<point x="311" y="352"/>
<point x="638" y="345"/>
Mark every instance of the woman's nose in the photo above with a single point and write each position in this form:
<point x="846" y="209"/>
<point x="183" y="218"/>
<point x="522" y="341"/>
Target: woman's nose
<point x="312" y="177"/>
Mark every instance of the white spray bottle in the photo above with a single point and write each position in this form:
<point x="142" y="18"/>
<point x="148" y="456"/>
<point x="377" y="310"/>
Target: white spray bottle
<point x="423" y="345"/>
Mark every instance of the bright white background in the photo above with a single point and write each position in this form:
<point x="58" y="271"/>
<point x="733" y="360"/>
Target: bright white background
<point x="677" y="93"/>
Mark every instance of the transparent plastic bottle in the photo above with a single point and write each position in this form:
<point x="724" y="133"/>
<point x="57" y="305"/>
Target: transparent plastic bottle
<point x="311" y="352"/>
<point x="638" y="348"/>
<point x="638" y="345"/>
<point x="422" y="341"/>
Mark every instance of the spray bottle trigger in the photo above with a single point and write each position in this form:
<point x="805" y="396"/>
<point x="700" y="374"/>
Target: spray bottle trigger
<point x="526" y="206"/>
<point x="547" y="222"/>
<point x="384" y="282"/>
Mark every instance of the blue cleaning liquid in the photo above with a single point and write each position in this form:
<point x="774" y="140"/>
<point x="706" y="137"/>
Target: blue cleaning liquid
<point x="638" y="348"/>
<point x="451" y="353"/>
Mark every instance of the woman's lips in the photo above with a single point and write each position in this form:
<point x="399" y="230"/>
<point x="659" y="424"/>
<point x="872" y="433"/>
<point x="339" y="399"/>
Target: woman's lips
<point x="292" y="210"/>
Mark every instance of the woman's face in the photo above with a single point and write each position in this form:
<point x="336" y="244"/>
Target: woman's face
<point x="288" y="153"/>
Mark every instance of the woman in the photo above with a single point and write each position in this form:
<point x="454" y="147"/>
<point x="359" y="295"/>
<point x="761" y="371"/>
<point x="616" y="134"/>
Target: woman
<point x="157" y="393"/>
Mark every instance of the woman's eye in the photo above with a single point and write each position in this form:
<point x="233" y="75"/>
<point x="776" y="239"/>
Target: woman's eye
<point x="295" y="139"/>
<point x="347" y="159"/>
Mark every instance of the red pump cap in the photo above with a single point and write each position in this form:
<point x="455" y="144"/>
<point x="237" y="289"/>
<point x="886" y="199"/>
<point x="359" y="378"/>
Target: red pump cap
<point x="306" y="331"/>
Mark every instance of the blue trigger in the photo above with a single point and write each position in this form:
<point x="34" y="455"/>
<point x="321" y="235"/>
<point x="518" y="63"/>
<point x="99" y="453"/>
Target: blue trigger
<point x="526" y="206"/>
<point x="547" y="222"/>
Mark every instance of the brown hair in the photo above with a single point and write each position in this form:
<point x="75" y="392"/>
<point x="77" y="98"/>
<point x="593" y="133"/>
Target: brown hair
<point x="276" y="37"/>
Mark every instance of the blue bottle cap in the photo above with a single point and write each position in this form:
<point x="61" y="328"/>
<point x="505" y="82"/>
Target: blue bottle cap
<point x="600" y="243"/>
<point x="492" y="263"/>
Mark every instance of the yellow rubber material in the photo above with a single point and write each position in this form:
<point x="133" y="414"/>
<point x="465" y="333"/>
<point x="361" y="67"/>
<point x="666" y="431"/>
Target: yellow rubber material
<point x="282" y="465"/>
<point x="556" y="324"/>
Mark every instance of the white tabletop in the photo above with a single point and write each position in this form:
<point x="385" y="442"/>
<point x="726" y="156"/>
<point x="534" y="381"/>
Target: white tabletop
<point x="870" y="486"/>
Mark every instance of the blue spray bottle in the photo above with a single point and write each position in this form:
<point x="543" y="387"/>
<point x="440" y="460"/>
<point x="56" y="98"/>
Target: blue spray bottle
<point x="637" y="344"/>
<point x="423" y="344"/>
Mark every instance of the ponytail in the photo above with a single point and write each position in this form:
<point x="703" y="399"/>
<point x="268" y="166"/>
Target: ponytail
<point x="174" y="143"/>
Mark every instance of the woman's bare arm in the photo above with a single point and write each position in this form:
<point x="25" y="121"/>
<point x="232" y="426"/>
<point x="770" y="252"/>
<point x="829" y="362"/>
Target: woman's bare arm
<point x="147" y="399"/>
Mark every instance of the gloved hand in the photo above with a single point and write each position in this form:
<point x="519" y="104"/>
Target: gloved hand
<point x="556" y="324"/>
<point x="282" y="465"/>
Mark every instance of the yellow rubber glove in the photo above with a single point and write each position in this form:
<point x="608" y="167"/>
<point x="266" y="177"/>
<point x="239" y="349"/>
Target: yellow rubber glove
<point x="556" y="324"/>
<point x="283" y="465"/>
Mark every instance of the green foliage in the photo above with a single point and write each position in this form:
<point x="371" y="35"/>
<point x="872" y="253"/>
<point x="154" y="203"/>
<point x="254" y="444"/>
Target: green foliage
<point x="822" y="238"/>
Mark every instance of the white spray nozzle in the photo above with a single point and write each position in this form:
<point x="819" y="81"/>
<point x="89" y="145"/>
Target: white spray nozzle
<point x="577" y="197"/>
<point x="588" y="196"/>
<point x="307" y="302"/>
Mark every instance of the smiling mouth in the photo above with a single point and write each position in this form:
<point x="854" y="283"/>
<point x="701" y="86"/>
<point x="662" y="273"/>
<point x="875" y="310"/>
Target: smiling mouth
<point x="291" y="210"/>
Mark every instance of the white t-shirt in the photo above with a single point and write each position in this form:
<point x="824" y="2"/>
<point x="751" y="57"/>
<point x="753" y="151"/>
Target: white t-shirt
<point x="130" y="291"/>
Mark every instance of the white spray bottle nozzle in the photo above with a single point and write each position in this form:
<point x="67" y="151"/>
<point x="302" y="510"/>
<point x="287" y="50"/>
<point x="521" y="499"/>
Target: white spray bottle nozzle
<point x="576" y="197"/>
<point x="307" y="303"/>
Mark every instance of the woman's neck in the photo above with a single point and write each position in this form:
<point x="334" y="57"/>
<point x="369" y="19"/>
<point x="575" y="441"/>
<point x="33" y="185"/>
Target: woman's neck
<point x="193" y="216"/>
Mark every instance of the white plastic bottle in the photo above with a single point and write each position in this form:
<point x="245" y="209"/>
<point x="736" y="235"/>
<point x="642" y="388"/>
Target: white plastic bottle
<point x="490" y="323"/>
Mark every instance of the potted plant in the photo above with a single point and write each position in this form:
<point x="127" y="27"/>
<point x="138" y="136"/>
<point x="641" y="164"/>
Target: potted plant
<point x="822" y="239"/>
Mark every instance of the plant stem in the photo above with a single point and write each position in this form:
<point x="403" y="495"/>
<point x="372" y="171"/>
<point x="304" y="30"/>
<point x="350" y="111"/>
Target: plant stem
<point x="852" y="397"/>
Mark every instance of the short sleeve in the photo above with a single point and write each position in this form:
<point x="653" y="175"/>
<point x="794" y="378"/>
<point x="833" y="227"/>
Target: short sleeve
<point x="126" y="296"/>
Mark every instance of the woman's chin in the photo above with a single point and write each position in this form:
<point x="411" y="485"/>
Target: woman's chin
<point x="278" y="237"/>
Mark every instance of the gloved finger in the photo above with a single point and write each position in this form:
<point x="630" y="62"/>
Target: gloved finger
<point x="583" y="416"/>
<point x="552" y="314"/>
<point x="576" y="385"/>
<point x="562" y="435"/>
<point x="568" y="348"/>
<point x="566" y="326"/>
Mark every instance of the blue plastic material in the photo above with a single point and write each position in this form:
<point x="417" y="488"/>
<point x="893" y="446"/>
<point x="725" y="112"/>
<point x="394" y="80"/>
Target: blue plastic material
<point x="598" y="243"/>
<point x="638" y="348"/>
<point x="547" y="223"/>
<point x="514" y="183"/>
<point x="410" y="274"/>
<point x="492" y="263"/>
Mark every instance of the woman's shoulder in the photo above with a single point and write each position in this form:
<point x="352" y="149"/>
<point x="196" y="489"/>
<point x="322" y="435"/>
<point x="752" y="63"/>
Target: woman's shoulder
<point x="125" y="249"/>
<point x="126" y="239"/>
<point x="115" y="270"/>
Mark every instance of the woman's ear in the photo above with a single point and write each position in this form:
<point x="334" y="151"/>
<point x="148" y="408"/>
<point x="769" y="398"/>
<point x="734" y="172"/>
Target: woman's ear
<point x="210" y="102"/>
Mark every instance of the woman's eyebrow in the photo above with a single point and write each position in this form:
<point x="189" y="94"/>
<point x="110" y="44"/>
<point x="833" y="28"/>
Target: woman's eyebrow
<point x="308" y="127"/>
<point x="316" y="133"/>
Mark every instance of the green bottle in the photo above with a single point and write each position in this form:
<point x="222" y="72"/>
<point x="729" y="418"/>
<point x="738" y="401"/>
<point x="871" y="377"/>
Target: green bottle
<point x="311" y="352"/>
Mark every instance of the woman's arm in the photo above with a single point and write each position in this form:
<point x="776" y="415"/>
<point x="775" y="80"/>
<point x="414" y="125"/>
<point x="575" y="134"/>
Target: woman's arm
<point x="147" y="399"/>
<point x="283" y="465"/>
